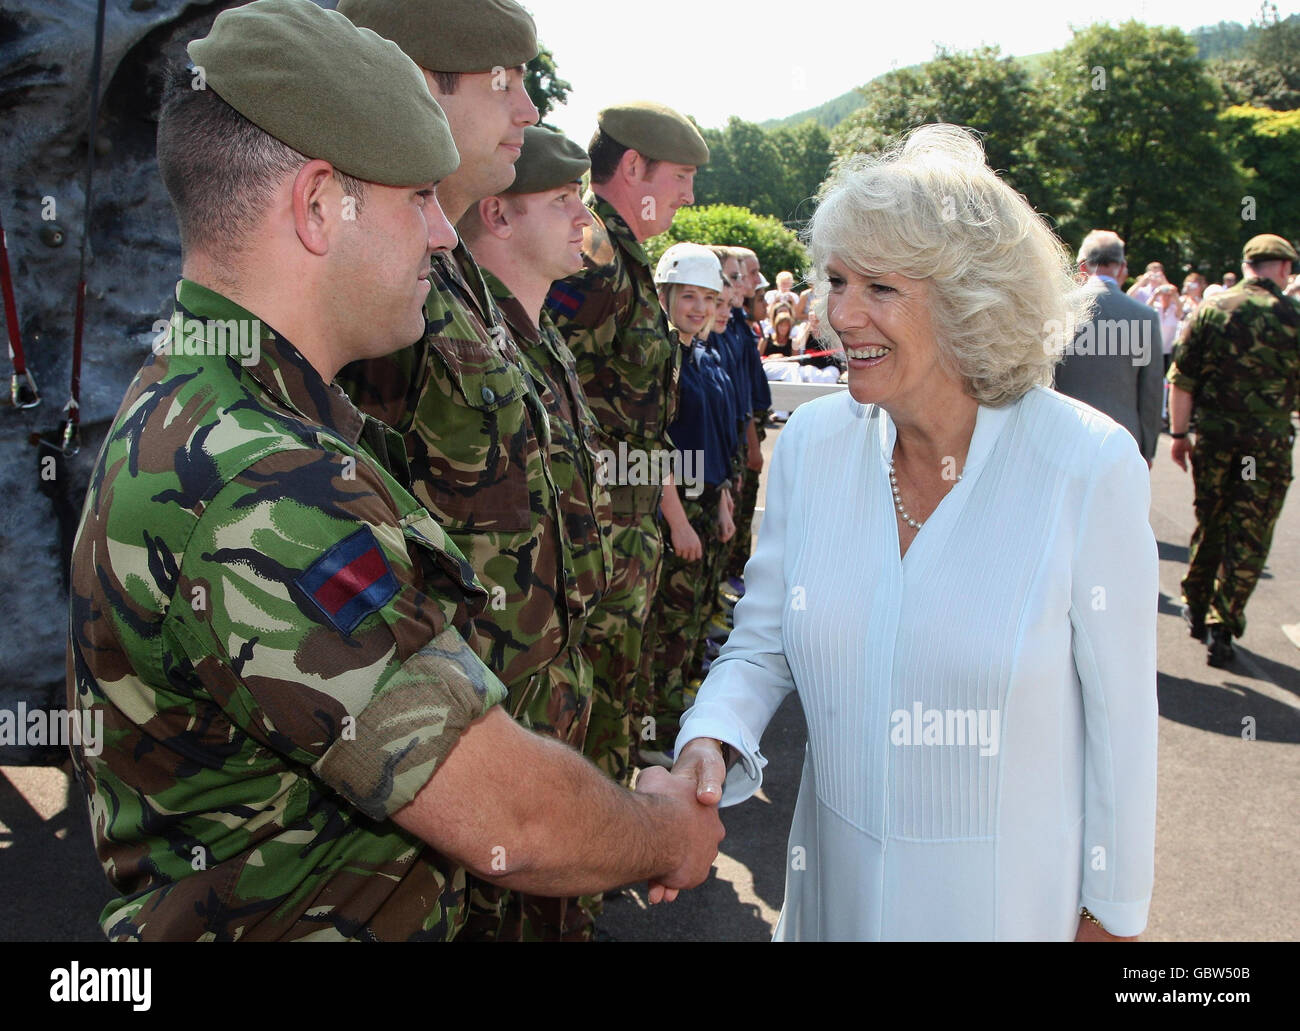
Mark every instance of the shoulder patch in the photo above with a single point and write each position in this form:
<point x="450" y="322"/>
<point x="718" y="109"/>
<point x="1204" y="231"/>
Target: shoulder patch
<point x="564" y="298"/>
<point x="350" y="581"/>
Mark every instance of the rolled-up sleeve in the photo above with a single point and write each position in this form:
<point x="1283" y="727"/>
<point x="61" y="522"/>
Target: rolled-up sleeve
<point x="750" y="677"/>
<point x="308" y="621"/>
<point x="1113" y="615"/>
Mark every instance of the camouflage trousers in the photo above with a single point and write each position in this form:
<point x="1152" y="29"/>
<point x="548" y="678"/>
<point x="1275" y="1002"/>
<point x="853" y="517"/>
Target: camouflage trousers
<point x="614" y="643"/>
<point x="1240" y="487"/>
<point x="681" y="608"/>
<point x="744" y="540"/>
<point x="557" y="701"/>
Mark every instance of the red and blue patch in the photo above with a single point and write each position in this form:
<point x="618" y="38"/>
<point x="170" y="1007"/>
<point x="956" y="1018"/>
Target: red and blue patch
<point x="564" y="298"/>
<point x="350" y="581"/>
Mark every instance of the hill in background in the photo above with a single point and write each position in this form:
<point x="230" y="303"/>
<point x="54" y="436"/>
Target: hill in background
<point x="1224" y="40"/>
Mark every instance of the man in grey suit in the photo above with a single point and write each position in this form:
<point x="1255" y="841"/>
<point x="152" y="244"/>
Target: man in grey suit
<point x="1114" y="361"/>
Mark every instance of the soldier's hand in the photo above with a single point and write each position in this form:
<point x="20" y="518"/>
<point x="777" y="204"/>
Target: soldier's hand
<point x="686" y="543"/>
<point x="755" y="460"/>
<point x="700" y="831"/>
<point x="1180" y="449"/>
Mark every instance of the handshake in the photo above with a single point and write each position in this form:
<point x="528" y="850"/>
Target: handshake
<point x="689" y="797"/>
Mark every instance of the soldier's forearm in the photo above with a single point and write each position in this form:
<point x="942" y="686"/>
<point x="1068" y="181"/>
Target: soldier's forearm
<point x="1180" y="410"/>
<point x="532" y="814"/>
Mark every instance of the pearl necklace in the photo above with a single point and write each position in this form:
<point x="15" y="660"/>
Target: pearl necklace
<point x="898" y="501"/>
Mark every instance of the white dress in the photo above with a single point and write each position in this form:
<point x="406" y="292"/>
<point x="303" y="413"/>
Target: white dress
<point x="981" y="715"/>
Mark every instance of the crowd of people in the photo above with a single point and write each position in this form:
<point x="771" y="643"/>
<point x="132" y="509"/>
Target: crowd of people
<point x="404" y="630"/>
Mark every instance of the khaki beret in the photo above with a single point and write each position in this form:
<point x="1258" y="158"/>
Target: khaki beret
<point x="656" y="131"/>
<point x="1268" y="247"/>
<point x="548" y="161"/>
<point x="292" y="69"/>
<point x="452" y="35"/>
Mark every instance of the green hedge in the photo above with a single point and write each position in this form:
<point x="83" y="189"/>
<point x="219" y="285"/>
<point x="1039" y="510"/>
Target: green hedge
<point x="776" y="246"/>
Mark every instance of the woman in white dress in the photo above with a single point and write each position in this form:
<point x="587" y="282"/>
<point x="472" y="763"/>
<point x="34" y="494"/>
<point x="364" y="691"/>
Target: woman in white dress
<point x="956" y="573"/>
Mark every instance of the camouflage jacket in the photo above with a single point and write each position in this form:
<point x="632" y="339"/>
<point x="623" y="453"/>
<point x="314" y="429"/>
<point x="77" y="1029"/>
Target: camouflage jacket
<point x="609" y="315"/>
<point x="1240" y="361"/>
<point x="275" y="633"/>
<point x="575" y="465"/>
<point x="478" y="440"/>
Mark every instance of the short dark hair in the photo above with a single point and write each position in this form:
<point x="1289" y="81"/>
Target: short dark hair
<point x="218" y="167"/>
<point x="448" y="82"/>
<point x="605" y="153"/>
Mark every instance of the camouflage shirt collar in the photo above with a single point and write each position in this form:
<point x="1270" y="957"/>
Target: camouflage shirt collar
<point x="468" y="276"/>
<point x="520" y="325"/>
<point x="280" y="367"/>
<point x="618" y="227"/>
<point x="1264" y="284"/>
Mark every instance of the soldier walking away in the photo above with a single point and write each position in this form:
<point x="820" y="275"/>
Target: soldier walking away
<point x="1235" y="381"/>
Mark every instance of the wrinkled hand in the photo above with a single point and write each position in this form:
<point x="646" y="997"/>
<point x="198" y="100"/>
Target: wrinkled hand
<point x="1180" y="450"/>
<point x="686" y="543"/>
<point x="701" y="831"/>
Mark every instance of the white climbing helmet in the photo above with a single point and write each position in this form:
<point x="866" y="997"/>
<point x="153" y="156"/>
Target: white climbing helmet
<point x="689" y="264"/>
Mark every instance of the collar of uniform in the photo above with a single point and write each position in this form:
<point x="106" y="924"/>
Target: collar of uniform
<point x="521" y="326"/>
<point x="617" y="227"/>
<point x="1264" y="284"/>
<point x="280" y="368"/>
<point x="464" y="273"/>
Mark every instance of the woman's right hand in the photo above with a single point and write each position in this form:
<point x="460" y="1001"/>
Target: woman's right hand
<point x="686" y="543"/>
<point x="701" y="761"/>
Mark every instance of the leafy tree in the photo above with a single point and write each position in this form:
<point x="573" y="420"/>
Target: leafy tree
<point x="1267" y="71"/>
<point x="994" y="95"/>
<point x="776" y="246"/>
<point x="806" y="155"/>
<point x="546" y="89"/>
<point x="1133" y="142"/>
<point x="1266" y="146"/>
<point x="771" y="172"/>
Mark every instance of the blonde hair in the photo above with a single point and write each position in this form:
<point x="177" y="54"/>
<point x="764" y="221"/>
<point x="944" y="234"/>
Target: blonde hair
<point x="929" y="207"/>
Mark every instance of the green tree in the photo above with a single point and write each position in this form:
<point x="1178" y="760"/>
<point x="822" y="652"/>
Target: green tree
<point x="1267" y="71"/>
<point x="981" y="89"/>
<point x="1133" y="142"/>
<point x="546" y="89"/>
<point x="776" y="246"/>
<point x="1266" y="147"/>
<point x="806" y="156"/>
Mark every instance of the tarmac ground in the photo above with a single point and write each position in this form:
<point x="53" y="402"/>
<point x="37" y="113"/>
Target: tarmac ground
<point x="1227" y="837"/>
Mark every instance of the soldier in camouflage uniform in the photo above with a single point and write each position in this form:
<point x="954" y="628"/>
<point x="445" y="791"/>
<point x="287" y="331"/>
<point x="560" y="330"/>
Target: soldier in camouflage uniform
<point x="1236" y="379"/>
<point x="523" y="239"/>
<point x="271" y="626"/>
<point x="477" y="432"/>
<point x="761" y="402"/>
<point x="643" y="161"/>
